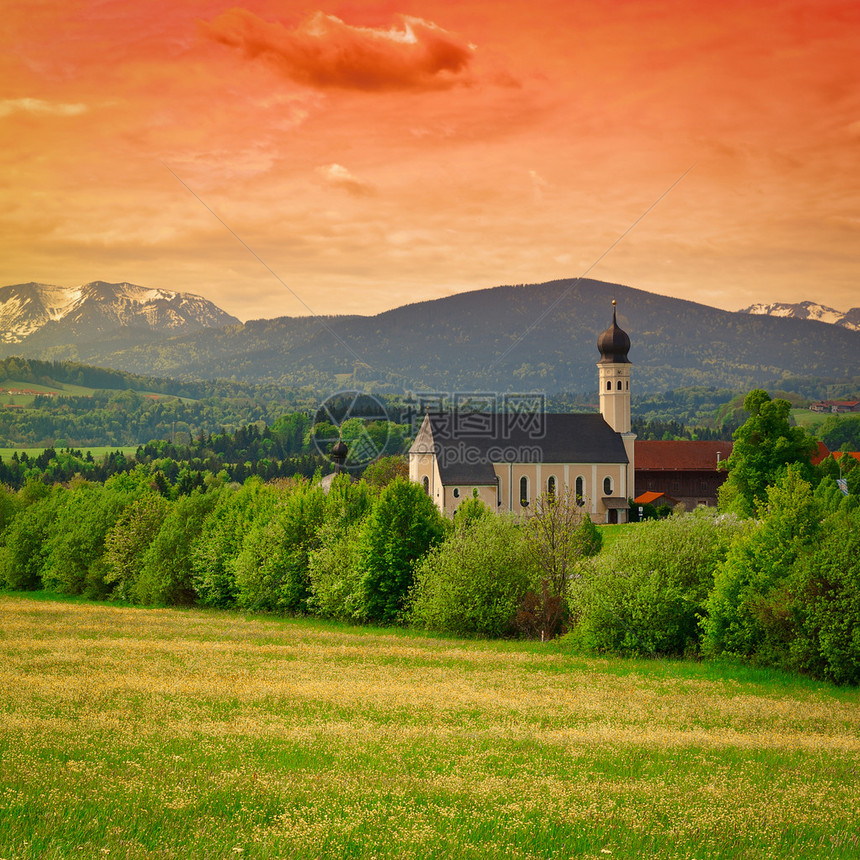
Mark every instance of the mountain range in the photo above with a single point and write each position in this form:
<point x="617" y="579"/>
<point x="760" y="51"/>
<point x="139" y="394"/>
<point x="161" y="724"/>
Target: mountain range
<point x="43" y="315"/>
<point x="807" y="311"/>
<point x="539" y="337"/>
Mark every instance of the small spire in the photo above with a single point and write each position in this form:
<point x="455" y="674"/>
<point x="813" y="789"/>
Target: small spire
<point x="338" y="452"/>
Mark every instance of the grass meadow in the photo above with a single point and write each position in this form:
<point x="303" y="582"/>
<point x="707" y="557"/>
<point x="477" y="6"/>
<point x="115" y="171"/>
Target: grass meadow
<point x="98" y="451"/>
<point x="165" y="733"/>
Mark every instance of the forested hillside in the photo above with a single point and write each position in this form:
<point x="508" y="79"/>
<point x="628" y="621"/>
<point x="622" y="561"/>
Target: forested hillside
<point x="70" y="404"/>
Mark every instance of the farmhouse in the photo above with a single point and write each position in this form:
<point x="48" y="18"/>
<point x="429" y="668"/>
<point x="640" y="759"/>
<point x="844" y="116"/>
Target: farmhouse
<point x="836" y="406"/>
<point x="508" y="459"/>
<point x="686" y="472"/>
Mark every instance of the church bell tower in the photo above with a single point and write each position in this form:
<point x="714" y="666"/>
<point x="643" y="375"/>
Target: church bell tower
<point x="613" y="372"/>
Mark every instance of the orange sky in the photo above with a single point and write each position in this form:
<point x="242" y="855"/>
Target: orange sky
<point x="378" y="152"/>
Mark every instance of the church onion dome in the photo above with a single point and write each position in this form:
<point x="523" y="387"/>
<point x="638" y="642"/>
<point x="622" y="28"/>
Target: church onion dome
<point x="339" y="450"/>
<point x="614" y="343"/>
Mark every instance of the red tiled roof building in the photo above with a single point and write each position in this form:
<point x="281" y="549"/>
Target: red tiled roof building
<point x="684" y="470"/>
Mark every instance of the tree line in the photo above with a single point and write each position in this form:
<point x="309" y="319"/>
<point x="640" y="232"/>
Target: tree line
<point x="291" y="446"/>
<point x="771" y="577"/>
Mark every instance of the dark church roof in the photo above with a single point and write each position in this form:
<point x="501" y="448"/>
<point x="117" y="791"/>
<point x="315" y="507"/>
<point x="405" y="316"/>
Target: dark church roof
<point x="467" y="444"/>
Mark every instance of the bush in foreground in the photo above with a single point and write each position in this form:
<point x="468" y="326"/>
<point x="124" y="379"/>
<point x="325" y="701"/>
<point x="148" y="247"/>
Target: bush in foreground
<point x="646" y="593"/>
<point x="474" y="582"/>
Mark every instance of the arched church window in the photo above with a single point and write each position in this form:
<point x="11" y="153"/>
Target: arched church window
<point x="619" y="385"/>
<point x="550" y="485"/>
<point x="607" y="486"/>
<point x="524" y="491"/>
<point x="580" y="490"/>
<point x="427" y="485"/>
<point x="609" y="385"/>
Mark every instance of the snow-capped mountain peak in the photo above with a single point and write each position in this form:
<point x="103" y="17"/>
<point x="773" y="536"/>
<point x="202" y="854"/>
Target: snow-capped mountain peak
<point x="27" y="310"/>
<point x="807" y="311"/>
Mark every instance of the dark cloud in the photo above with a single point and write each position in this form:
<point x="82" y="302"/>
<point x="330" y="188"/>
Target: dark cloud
<point x="324" y="52"/>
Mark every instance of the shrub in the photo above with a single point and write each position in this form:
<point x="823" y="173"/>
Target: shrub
<point x="645" y="594"/>
<point x="558" y="536"/>
<point x="474" y="582"/>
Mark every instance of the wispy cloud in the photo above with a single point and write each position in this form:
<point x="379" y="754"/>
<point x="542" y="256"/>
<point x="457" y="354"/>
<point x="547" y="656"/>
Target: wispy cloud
<point x="38" y="106"/>
<point x="338" y="176"/>
<point x="324" y="52"/>
<point x="539" y="185"/>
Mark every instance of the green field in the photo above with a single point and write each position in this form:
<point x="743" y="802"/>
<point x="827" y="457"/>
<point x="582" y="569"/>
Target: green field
<point x="98" y="451"/>
<point x="809" y="420"/>
<point x="155" y="733"/>
<point x="613" y="533"/>
<point x="63" y="389"/>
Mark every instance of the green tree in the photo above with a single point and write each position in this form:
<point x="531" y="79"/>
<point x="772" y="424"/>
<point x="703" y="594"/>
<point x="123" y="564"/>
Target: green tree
<point x="25" y="541"/>
<point x="128" y="540"/>
<point x="839" y="430"/>
<point x="10" y="505"/>
<point x="166" y="573"/>
<point x="272" y="567"/>
<point x="826" y="586"/>
<point x="558" y="536"/>
<point x="215" y="551"/>
<point x="403" y="525"/>
<point x="749" y="608"/>
<point x="384" y="470"/>
<point x="335" y="572"/>
<point x="765" y="445"/>
<point x="470" y="510"/>
<point x="75" y="546"/>
<point x="334" y="566"/>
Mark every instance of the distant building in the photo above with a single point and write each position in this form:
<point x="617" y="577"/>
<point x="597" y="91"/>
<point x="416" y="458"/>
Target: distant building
<point x="836" y="406"/>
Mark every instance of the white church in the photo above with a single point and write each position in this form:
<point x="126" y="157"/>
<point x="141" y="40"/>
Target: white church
<point x="508" y="460"/>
